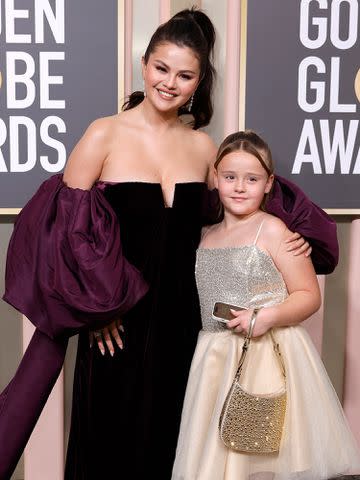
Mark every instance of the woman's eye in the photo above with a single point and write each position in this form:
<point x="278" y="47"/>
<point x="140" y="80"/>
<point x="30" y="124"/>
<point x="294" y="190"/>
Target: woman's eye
<point x="185" y="77"/>
<point x="162" y="69"/>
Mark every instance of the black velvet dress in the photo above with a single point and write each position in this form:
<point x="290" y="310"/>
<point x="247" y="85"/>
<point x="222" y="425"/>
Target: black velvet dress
<point x="127" y="408"/>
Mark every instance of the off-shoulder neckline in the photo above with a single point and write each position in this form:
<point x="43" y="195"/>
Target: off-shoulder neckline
<point x="158" y="185"/>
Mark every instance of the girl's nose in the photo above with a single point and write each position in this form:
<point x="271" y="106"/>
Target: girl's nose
<point x="240" y="185"/>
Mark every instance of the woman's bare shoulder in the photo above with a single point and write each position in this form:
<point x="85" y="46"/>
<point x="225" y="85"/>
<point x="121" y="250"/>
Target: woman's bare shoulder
<point x="101" y="128"/>
<point x="203" y="142"/>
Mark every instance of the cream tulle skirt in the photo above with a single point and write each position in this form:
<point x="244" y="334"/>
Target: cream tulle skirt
<point x="316" y="443"/>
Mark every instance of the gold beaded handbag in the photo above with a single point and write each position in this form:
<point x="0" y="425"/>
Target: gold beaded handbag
<point x="253" y="423"/>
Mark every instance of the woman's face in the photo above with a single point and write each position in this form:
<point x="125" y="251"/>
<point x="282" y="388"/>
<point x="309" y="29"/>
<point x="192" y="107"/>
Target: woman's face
<point x="242" y="183"/>
<point x="171" y="76"/>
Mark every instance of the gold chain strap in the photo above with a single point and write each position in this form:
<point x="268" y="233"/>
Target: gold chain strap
<point x="247" y="343"/>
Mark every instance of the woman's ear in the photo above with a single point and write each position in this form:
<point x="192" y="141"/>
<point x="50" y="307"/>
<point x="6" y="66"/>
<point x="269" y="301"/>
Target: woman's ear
<point x="269" y="183"/>
<point x="143" y="66"/>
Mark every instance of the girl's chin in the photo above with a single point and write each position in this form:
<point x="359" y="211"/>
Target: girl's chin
<point x="241" y="210"/>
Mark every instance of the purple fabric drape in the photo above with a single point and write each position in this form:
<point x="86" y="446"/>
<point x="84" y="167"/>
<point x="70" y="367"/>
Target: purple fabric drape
<point x="65" y="271"/>
<point x="288" y="202"/>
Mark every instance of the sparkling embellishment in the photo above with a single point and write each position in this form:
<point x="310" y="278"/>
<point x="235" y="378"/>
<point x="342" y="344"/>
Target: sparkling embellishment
<point x="242" y="427"/>
<point x="241" y="273"/>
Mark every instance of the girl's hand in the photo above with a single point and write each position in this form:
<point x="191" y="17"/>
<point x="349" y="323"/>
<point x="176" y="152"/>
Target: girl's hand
<point x="298" y="245"/>
<point x="241" y="322"/>
<point x="109" y="334"/>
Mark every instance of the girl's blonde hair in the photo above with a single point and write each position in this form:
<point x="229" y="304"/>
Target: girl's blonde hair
<point x="250" y="142"/>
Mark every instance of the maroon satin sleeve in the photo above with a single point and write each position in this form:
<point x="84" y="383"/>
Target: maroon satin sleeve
<point x="289" y="202"/>
<point x="65" y="271"/>
<point x="65" y="268"/>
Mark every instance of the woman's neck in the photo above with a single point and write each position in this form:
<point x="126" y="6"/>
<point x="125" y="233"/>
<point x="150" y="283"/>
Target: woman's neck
<point x="156" y="120"/>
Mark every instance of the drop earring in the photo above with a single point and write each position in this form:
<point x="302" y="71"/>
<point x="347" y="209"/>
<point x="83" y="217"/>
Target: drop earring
<point x="144" y="89"/>
<point x="191" y="102"/>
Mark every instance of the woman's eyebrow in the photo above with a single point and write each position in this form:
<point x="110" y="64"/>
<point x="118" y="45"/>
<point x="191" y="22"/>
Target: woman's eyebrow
<point x="167" y="66"/>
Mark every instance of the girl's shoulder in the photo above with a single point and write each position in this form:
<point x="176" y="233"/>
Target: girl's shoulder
<point x="273" y="225"/>
<point x="273" y="231"/>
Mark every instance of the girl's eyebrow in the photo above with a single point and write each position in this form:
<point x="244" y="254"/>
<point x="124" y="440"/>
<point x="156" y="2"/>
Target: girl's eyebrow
<point x="167" y="66"/>
<point x="247" y="173"/>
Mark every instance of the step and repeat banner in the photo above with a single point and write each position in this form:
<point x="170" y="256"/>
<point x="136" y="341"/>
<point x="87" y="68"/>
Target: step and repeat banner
<point x="303" y="93"/>
<point x="58" y="72"/>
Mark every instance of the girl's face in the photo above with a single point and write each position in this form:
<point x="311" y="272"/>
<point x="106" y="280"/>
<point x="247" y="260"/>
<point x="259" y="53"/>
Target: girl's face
<point x="242" y="183"/>
<point x="171" y="76"/>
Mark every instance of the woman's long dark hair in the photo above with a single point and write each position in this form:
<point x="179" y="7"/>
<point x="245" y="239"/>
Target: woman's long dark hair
<point x="193" y="29"/>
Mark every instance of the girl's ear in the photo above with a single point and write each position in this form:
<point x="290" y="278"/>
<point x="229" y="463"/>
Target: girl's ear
<point x="269" y="183"/>
<point x="216" y="180"/>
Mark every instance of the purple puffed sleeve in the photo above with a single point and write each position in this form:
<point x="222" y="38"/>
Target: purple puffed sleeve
<point x="65" y="271"/>
<point x="65" y="268"/>
<point x="289" y="202"/>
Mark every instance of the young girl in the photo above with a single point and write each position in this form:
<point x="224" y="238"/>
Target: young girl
<point x="244" y="261"/>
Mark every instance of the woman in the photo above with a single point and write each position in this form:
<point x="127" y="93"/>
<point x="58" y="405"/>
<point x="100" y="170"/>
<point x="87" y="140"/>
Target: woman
<point x="152" y="171"/>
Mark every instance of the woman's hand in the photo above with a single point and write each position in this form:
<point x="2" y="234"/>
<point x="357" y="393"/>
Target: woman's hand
<point x="241" y="322"/>
<point x="108" y="334"/>
<point x="298" y="245"/>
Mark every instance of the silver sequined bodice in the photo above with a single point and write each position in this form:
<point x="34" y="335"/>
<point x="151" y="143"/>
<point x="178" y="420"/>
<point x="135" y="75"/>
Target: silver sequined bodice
<point x="244" y="276"/>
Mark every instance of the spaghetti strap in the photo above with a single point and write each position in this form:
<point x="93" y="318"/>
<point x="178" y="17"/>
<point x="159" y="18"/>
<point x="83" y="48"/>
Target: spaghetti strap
<point x="205" y="233"/>
<point x="258" y="232"/>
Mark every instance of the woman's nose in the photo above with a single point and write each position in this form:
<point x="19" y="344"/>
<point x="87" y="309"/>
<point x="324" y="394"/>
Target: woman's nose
<point x="170" y="82"/>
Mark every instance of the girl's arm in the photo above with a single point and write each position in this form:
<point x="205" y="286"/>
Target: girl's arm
<point x="299" y="275"/>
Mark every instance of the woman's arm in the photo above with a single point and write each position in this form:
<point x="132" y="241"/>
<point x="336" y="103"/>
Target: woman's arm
<point x="82" y="170"/>
<point x="289" y="203"/>
<point x="85" y="163"/>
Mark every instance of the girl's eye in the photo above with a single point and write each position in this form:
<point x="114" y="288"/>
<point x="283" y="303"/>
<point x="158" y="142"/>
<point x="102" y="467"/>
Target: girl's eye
<point x="162" y="69"/>
<point x="252" y="179"/>
<point x="229" y="177"/>
<point x="185" y="76"/>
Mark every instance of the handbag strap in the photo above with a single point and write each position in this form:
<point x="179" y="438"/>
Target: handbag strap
<point x="247" y="343"/>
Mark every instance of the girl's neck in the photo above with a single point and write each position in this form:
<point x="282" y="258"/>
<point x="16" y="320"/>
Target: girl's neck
<point x="231" y="221"/>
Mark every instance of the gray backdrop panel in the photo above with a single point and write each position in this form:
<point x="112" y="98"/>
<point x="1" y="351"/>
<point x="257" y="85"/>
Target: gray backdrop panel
<point x="89" y="89"/>
<point x="274" y="53"/>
